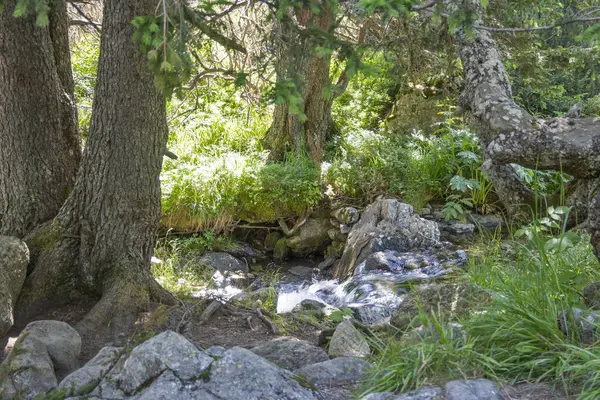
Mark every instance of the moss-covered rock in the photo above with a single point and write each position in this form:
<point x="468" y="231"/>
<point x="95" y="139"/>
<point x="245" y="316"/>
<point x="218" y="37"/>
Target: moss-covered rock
<point x="281" y="251"/>
<point x="271" y="240"/>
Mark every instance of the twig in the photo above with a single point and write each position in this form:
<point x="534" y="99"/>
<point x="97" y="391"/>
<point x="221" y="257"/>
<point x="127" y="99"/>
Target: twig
<point x="212" y="308"/>
<point x="267" y="322"/>
<point x="249" y="322"/>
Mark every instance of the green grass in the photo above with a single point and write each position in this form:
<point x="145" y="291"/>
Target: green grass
<point x="515" y="338"/>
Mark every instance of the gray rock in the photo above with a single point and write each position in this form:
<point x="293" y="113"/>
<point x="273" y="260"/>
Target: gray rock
<point x="421" y="394"/>
<point x="371" y="314"/>
<point x="346" y="215"/>
<point x="85" y="379"/>
<point x="478" y="389"/>
<point x="336" y="234"/>
<point x="387" y="224"/>
<point x="311" y="238"/>
<point x="591" y="295"/>
<point x="14" y="258"/>
<point x="291" y="354"/>
<point x="62" y="342"/>
<point x="582" y="323"/>
<point x="215" y="351"/>
<point x="341" y="370"/>
<point x="315" y="307"/>
<point x="169" y="387"/>
<point x="344" y="230"/>
<point x="241" y="374"/>
<point x="168" y="350"/>
<point x="305" y="272"/>
<point x="347" y="341"/>
<point x="386" y="261"/>
<point x="223" y="262"/>
<point x="488" y="222"/>
<point x="28" y="370"/>
<point x="41" y="349"/>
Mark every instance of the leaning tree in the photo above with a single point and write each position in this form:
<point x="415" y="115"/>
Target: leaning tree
<point x="39" y="144"/>
<point x="509" y="134"/>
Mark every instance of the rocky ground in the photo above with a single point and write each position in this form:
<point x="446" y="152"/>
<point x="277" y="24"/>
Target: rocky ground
<point x="228" y="344"/>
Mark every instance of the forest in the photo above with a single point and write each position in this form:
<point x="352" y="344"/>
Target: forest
<point x="296" y="200"/>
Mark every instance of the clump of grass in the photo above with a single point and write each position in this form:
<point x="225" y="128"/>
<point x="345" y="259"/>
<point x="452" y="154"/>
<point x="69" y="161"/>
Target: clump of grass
<point x="516" y="337"/>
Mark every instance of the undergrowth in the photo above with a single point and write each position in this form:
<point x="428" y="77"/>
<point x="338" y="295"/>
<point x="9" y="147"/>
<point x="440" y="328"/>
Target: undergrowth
<point x="514" y="338"/>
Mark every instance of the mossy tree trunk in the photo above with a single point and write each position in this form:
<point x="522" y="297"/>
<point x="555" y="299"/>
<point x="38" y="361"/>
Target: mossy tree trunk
<point x="39" y="144"/>
<point x="102" y="240"/>
<point x="298" y="62"/>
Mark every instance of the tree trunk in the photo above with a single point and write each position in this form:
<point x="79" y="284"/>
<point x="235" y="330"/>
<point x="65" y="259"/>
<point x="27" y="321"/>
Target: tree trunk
<point x="511" y="135"/>
<point x="297" y="62"/>
<point x="39" y="145"/>
<point x="102" y="240"/>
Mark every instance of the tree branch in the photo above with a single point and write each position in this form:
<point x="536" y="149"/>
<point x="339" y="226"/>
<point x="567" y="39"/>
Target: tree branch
<point x="197" y="20"/>
<point x="538" y="28"/>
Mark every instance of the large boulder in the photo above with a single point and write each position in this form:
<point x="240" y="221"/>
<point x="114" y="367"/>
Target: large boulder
<point x="43" y="349"/>
<point x="450" y="299"/>
<point x="14" y="258"/>
<point x="241" y="374"/>
<point x="347" y="341"/>
<point x="167" y="351"/>
<point x="170" y="367"/>
<point x="222" y="262"/>
<point x="291" y="354"/>
<point x="386" y="224"/>
<point x="312" y="237"/>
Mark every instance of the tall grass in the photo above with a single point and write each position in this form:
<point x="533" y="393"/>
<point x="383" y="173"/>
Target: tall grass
<point x="514" y="338"/>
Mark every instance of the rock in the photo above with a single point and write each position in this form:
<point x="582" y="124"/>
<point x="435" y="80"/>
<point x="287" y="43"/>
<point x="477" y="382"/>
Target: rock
<point x="328" y="262"/>
<point x="386" y="224"/>
<point x="478" y="389"/>
<point x="421" y="394"/>
<point x="241" y="374"/>
<point x="488" y="222"/>
<point x="168" y="387"/>
<point x="336" y="379"/>
<point x="305" y="272"/>
<point x="344" y="230"/>
<point x="41" y="349"/>
<point x="311" y="238"/>
<point x="347" y="341"/>
<point x="281" y="251"/>
<point x="456" y="232"/>
<point x="346" y="215"/>
<point x="84" y="380"/>
<point x="452" y="299"/>
<point x="335" y="249"/>
<point x="386" y="261"/>
<point x="222" y="262"/>
<point x="168" y="350"/>
<point x="591" y="295"/>
<point x="371" y="314"/>
<point x="310" y="305"/>
<point x="271" y="240"/>
<point x="580" y="322"/>
<point x="215" y="351"/>
<point x="336" y="234"/>
<point x="240" y="250"/>
<point x="291" y="354"/>
<point x="14" y="258"/>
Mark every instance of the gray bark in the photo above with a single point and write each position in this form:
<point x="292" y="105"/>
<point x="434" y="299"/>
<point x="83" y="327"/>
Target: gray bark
<point x="39" y="145"/>
<point x="104" y="236"/>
